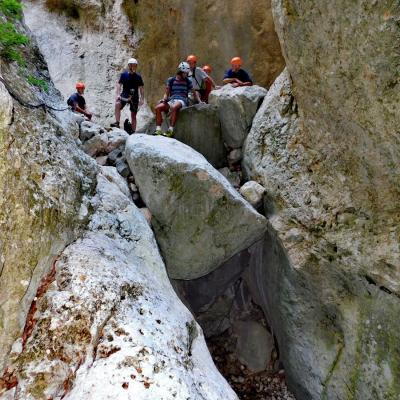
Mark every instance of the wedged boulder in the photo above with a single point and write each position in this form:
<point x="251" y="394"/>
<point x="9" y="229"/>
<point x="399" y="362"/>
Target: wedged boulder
<point x="105" y="143"/>
<point x="330" y="285"/>
<point x="199" y="127"/>
<point x="253" y="192"/>
<point x="108" y="324"/>
<point x="199" y="219"/>
<point x="88" y="130"/>
<point x="236" y="109"/>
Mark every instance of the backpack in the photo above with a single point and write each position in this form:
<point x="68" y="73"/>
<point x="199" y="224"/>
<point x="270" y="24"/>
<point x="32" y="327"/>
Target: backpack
<point x="128" y="127"/>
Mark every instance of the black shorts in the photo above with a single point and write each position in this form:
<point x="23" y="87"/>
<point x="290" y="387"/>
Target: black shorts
<point x="133" y="105"/>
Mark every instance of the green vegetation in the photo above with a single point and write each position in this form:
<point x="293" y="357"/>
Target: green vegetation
<point x="40" y="83"/>
<point x="10" y="40"/>
<point x="11" y="8"/>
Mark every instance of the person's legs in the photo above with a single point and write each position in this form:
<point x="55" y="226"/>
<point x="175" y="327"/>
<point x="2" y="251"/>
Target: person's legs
<point x="174" y="112"/>
<point x="134" y="108"/>
<point x="119" y="105"/>
<point x="161" y="107"/>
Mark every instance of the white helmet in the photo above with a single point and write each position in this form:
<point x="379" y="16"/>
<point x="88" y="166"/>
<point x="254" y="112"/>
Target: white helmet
<point x="184" y="67"/>
<point x="132" y="61"/>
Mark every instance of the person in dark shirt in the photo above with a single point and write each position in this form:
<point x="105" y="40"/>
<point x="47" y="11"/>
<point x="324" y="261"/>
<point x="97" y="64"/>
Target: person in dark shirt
<point x="77" y="102"/>
<point x="237" y="76"/>
<point x="129" y="89"/>
<point x="176" y="97"/>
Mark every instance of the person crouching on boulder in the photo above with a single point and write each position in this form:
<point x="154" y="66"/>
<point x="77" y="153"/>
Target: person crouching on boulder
<point x="237" y="76"/>
<point x="78" y="103"/>
<point x="132" y="85"/>
<point x="176" y="97"/>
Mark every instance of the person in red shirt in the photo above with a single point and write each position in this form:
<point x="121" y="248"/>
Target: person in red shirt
<point x="210" y="84"/>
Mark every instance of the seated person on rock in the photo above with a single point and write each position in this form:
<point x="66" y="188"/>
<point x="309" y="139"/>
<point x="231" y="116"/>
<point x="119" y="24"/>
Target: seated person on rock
<point x="78" y="103"/>
<point x="176" y="97"/>
<point x="237" y="76"/>
<point x="198" y="76"/>
<point x="127" y="90"/>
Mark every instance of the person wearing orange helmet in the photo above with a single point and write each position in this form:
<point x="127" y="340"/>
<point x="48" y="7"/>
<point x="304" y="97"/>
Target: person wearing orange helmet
<point x="77" y="102"/>
<point x="198" y="77"/>
<point x="210" y="84"/>
<point x="237" y="76"/>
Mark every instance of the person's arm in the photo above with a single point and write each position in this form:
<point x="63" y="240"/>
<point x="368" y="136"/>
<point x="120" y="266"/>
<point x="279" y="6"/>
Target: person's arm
<point x="141" y="93"/>
<point x="82" y="111"/>
<point x="246" y="84"/>
<point x="246" y="80"/>
<point x="117" y="90"/>
<point x="196" y="96"/>
<point x="211" y="80"/>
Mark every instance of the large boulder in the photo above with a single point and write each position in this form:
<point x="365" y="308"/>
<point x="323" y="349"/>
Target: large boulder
<point x="236" y="108"/>
<point x="199" y="127"/>
<point x="332" y="296"/>
<point x="45" y="182"/>
<point x="107" y="323"/>
<point x="199" y="219"/>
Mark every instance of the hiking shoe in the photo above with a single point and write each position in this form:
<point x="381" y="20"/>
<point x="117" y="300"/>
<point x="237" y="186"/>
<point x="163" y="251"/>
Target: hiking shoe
<point x="169" y="134"/>
<point x="115" y="125"/>
<point x="158" y="133"/>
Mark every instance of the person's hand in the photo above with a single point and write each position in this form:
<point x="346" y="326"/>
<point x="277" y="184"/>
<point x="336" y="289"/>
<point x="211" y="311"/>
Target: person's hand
<point x="235" y="84"/>
<point x="88" y="116"/>
<point x="141" y="102"/>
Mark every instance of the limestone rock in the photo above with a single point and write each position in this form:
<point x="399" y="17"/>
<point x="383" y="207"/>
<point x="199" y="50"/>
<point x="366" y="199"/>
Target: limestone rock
<point x="254" y="345"/>
<point x="235" y="156"/>
<point x="110" y="325"/>
<point x="336" y="221"/>
<point x="88" y="130"/>
<point x="253" y="192"/>
<point x="206" y="221"/>
<point x="6" y="107"/>
<point x="236" y="108"/>
<point x="234" y="177"/>
<point x="45" y="181"/>
<point x="105" y="143"/>
<point x="199" y="127"/>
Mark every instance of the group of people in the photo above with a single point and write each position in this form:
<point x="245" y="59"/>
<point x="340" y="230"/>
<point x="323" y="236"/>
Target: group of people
<point x="190" y="85"/>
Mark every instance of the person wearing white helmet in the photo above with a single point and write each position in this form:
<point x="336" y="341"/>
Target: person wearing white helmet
<point x="129" y="89"/>
<point x="176" y="97"/>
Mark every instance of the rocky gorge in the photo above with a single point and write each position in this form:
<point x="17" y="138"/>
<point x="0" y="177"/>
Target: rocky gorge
<point x="268" y="228"/>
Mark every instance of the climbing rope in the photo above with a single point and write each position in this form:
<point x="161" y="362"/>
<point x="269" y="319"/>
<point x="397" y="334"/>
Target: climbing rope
<point x="25" y="104"/>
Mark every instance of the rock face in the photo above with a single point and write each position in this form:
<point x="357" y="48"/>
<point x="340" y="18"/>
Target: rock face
<point x="109" y="324"/>
<point x="172" y="30"/>
<point x="333" y="297"/>
<point x="87" y="41"/>
<point x="45" y="181"/>
<point x="199" y="127"/>
<point x="236" y="108"/>
<point x="92" y="40"/>
<point x="199" y="219"/>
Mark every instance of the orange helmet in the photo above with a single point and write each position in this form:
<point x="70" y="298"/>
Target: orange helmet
<point x="207" y="68"/>
<point x="236" y="61"/>
<point x="80" y="85"/>
<point x="192" y="57"/>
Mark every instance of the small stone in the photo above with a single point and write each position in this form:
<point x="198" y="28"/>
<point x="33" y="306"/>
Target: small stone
<point x="101" y="160"/>
<point x="253" y="192"/>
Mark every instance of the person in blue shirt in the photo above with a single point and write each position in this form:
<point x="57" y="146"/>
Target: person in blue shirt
<point x="77" y="102"/>
<point x="237" y="76"/>
<point x="129" y="89"/>
<point x="176" y="97"/>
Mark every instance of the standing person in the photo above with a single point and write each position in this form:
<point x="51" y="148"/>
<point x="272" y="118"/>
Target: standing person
<point x="210" y="84"/>
<point x="237" y="76"/>
<point x="131" y="84"/>
<point x="77" y="102"/>
<point x="198" y="77"/>
<point x="176" y="97"/>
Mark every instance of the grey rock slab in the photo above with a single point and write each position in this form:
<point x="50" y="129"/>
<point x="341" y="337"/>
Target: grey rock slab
<point x="88" y="130"/>
<point x="199" y="219"/>
<point x="6" y="107"/>
<point x="234" y="177"/>
<point x="122" y="167"/>
<point x="236" y="108"/>
<point x="105" y="143"/>
<point x="199" y="127"/>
